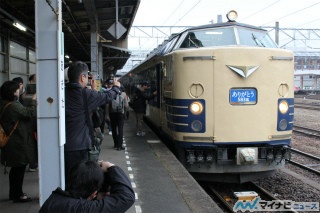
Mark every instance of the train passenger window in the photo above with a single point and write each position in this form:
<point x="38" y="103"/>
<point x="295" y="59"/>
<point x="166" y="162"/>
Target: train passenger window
<point x="255" y="38"/>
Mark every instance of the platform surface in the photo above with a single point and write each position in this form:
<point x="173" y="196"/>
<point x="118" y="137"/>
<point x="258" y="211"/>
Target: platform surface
<point x="160" y="182"/>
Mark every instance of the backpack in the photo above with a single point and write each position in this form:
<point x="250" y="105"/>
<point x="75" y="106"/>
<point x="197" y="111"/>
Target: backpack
<point x="118" y="104"/>
<point x="97" y="117"/>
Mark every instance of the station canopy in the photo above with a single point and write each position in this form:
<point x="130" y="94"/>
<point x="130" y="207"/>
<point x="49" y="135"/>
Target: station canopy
<point x="80" y="17"/>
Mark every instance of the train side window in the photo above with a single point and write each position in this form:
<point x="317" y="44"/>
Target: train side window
<point x="191" y="41"/>
<point x="170" y="45"/>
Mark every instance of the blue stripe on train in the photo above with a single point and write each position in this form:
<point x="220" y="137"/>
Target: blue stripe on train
<point x="179" y="116"/>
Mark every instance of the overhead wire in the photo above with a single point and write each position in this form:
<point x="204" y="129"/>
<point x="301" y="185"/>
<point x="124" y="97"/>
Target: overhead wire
<point x="297" y="11"/>
<point x="173" y="12"/>
<point x="253" y="14"/>
<point x="309" y="22"/>
<point x="191" y="8"/>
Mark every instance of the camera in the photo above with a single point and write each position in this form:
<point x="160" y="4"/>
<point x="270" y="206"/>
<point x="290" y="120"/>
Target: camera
<point x="110" y="81"/>
<point x="31" y="89"/>
<point x="90" y="77"/>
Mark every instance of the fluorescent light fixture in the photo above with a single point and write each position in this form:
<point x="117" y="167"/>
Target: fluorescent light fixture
<point x="106" y="41"/>
<point x="19" y="26"/>
<point x="67" y="56"/>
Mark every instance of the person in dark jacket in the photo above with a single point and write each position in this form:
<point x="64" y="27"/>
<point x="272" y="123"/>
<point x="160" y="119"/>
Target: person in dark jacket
<point x="78" y="138"/>
<point x="95" y="187"/>
<point x="105" y="88"/>
<point x="19" y="151"/>
<point x="142" y="95"/>
<point x="116" y="111"/>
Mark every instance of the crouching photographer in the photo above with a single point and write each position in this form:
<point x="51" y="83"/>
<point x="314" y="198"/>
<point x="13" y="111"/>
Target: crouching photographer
<point x="92" y="187"/>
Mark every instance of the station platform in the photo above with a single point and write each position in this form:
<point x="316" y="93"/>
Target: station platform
<point x="160" y="182"/>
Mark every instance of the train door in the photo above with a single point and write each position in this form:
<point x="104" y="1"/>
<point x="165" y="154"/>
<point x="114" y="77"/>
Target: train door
<point x="165" y="92"/>
<point x="154" y="104"/>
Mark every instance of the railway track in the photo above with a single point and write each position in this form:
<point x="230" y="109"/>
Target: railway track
<point x="307" y="106"/>
<point x="306" y="131"/>
<point x="314" y="168"/>
<point x="227" y="195"/>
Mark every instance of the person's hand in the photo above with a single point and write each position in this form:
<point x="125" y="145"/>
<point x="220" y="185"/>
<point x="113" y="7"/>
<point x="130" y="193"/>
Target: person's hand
<point x="34" y="96"/>
<point x="105" y="165"/>
<point x="101" y="195"/>
<point x="116" y="83"/>
<point x="93" y="84"/>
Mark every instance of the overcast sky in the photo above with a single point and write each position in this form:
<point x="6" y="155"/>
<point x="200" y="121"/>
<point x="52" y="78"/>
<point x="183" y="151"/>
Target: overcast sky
<point x="289" y="13"/>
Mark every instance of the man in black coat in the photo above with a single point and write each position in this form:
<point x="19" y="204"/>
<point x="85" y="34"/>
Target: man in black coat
<point x="142" y="94"/>
<point x="78" y="139"/>
<point x="94" y="187"/>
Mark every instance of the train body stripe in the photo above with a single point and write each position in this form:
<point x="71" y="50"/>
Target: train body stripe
<point x="179" y="116"/>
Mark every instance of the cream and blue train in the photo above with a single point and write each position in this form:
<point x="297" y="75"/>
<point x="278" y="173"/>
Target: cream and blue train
<point x="225" y="99"/>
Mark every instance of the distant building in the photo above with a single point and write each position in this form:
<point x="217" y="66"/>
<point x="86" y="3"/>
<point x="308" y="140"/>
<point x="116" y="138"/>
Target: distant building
<point x="307" y="70"/>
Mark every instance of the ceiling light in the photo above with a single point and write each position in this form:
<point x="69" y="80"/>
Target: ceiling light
<point x="19" y="26"/>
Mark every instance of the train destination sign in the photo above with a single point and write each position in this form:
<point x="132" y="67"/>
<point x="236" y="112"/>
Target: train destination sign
<point x="243" y="96"/>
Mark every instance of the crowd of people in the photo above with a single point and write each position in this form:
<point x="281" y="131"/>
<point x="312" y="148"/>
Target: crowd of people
<point x="103" y="187"/>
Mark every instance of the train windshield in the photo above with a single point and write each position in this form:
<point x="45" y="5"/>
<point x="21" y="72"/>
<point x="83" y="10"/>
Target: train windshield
<point x="250" y="37"/>
<point x="227" y="36"/>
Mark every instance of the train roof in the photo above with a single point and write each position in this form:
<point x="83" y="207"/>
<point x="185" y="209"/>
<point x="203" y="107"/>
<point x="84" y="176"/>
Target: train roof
<point x="223" y="24"/>
<point x="160" y="50"/>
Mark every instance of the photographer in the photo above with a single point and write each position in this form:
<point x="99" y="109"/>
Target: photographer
<point x="94" y="187"/>
<point x="78" y="100"/>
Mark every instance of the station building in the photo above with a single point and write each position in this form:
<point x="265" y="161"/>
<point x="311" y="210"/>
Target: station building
<point x="307" y="70"/>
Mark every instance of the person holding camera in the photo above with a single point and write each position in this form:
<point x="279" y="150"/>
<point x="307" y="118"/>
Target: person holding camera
<point x="94" y="187"/>
<point x="78" y="138"/>
<point x="19" y="150"/>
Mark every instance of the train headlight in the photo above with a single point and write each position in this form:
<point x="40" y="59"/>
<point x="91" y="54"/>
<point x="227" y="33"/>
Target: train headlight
<point x="196" y="126"/>
<point x="232" y="15"/>
<point x="283" y="124"/>
<point x="196" y="108"/>
<point x="283" y="107"/>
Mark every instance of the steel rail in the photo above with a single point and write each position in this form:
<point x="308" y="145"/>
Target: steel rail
<point x="304" y="167"/>
<point x="305" y="154"/>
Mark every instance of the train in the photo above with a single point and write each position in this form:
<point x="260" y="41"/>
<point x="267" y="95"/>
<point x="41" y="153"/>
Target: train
<point x="225" y="99"/>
